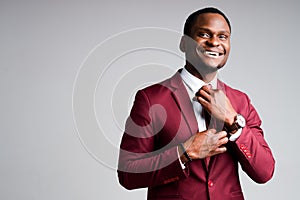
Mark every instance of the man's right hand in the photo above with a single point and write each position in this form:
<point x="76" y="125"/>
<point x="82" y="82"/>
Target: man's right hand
<point x="205" y="144"/>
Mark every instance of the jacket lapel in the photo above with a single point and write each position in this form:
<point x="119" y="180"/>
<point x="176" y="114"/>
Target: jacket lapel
<point x="183" y="102"/>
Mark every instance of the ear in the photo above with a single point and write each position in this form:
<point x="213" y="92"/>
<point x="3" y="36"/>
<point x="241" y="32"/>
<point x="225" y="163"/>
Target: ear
<point x="182" y="45"/>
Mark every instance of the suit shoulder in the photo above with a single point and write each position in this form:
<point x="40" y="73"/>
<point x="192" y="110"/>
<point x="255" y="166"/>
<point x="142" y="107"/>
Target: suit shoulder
<point x="233" y="93"/>
<point x="158" y="90"/>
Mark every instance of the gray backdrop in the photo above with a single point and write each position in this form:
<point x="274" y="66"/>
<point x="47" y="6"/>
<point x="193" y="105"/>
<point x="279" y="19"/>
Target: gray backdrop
<point x="69" y="71"/>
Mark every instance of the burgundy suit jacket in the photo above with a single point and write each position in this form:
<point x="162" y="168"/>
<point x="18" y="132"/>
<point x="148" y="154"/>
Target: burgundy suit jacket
<point x="162" y="116"/>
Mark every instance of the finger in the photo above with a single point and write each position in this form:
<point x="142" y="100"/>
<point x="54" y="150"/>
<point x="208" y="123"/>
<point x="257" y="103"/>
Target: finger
<point x="204" y="103"/>
<point x="223" y="141"/>
<point x="204" y="94"/>
<point x="207" y="88"/>
<point x="203" y="90"/>
<point x="221" y="149"/>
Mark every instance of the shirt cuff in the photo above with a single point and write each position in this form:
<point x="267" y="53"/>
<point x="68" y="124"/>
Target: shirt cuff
<point x="236" y="135"/>
<point x="182" y="165"/>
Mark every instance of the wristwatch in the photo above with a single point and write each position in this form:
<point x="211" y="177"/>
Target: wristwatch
<point x="239" y="122"/>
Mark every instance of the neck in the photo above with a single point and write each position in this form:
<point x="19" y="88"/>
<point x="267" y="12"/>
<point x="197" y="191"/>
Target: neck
<point x="205" y="75"/>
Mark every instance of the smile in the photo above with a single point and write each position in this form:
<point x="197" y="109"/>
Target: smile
<point x="212" y="54"/>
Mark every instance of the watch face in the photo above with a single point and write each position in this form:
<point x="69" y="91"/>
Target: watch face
<point x="240" y="120"/>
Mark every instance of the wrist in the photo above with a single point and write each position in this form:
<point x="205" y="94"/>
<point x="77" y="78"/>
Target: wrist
<point x="230" y="119"/>
<point x="239" y="122"/>
<point x="184" y="156"/>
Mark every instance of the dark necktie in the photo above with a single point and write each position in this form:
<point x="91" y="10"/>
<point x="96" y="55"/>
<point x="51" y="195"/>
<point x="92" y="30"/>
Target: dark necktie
<point x="207" y="118"/>
<point x="209" y="125"/>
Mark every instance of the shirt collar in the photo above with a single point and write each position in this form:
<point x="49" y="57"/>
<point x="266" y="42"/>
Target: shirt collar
<point x="195" y="83"/>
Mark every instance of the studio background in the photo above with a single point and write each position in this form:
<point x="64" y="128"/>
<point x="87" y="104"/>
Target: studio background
<point x="44" y="45"/>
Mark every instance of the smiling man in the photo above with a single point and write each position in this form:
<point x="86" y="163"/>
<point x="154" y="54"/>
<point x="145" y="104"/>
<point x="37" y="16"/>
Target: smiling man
<point x="186" y="135"/>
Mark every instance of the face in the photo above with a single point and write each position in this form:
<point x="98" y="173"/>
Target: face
<point x="209" y="44"/>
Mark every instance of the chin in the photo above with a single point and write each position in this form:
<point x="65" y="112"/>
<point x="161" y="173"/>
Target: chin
<point x="215" y="66"/>
<point x="209" y="67"/>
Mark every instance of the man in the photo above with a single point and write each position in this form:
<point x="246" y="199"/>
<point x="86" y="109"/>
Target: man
<point x="185" y="136"/>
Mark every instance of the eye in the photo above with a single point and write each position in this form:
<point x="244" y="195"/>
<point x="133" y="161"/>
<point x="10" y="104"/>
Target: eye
<point x="204" y="35"/>
<point x="223" y="37"/>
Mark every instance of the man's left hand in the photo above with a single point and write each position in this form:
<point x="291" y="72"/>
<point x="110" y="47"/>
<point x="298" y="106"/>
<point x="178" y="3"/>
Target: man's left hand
<point x="217" y="104"/>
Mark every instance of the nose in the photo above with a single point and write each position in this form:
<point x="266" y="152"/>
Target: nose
<point x="213" y="41"/>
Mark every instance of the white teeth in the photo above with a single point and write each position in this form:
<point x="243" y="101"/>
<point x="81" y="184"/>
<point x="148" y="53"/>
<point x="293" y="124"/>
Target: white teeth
<point x="211" y="53"/>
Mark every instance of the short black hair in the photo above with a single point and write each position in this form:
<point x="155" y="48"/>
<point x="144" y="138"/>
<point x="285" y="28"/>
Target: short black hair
<point x="190" y="21"/>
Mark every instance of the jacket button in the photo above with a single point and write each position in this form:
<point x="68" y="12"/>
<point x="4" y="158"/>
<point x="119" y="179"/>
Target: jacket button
<point x="249" y="155"/>
<point x="242" y="146"/>
<point x="210" y="183"/>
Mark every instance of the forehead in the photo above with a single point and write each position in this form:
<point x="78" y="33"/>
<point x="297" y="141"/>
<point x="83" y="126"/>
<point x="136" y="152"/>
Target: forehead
<point x="212" y="21"/>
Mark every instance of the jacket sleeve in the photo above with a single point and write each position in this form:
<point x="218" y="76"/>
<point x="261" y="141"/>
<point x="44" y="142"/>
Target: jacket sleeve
<point x="251" y="149"/>
<point x="141" y="162"/>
